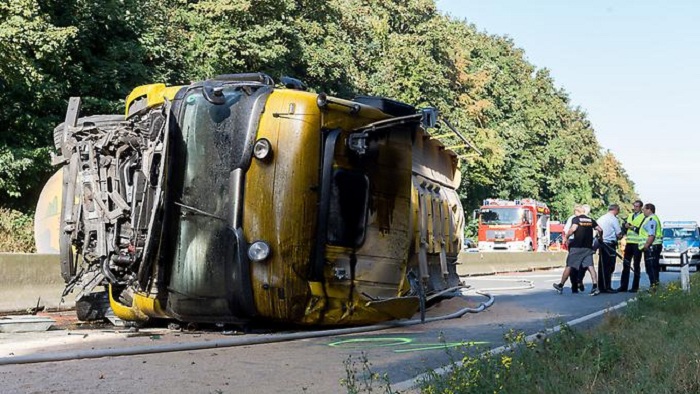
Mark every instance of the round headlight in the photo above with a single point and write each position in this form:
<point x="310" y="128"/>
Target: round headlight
<point x="262" y="149"/>
<point x="258" y="251"/>
<point x="322" y="100"/>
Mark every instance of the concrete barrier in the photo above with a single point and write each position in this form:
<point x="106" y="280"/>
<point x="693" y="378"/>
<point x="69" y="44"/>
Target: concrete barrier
<point x="26" y="278"/>
<point x="471" y="264"/>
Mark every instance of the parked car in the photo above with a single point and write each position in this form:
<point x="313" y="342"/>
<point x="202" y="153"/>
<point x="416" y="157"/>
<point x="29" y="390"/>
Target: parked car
<point x="680" y="237"/>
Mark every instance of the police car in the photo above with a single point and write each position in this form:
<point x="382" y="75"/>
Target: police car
<point x="677" y="238"/>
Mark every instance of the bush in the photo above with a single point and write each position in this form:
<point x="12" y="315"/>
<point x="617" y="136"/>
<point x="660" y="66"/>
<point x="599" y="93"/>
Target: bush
<point x="16" y="231"/>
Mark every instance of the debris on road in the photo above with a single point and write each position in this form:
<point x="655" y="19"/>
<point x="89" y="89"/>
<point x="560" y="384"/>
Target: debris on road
<point x="25" y="323"/>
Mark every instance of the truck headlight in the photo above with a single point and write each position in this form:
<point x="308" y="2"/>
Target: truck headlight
<point x="262" y="149"/>
<point x="693" y="250"/>
<point x="258" y="251"/>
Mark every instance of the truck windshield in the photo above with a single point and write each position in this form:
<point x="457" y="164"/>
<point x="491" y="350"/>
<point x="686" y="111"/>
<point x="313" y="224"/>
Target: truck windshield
<point x="216" y="140"/>
<point x="501" y="216"/>
<point x="212" y="151"/>
<point x="680" y="233"/>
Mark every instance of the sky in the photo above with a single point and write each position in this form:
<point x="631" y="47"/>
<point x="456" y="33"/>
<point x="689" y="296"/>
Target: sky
<point x="633" y="66"/>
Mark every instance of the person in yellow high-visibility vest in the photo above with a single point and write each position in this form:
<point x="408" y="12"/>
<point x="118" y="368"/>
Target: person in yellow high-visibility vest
<point x="651" y="231"/>
<point x="632" y="253"/>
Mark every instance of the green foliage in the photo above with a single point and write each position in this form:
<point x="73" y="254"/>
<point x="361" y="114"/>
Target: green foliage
<point x="51" y="50"/>
<point x="16" y="231"/>
<point x="232" y="35"/>
<point x="18" y="164"/>
<point x="534" y="143"/>
<point x="360" y="378"/>
<point x="32" y="53"/>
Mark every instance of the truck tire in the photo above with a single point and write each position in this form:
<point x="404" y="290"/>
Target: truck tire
<point x="93" y="306"/>
<point x="97" y="120"/>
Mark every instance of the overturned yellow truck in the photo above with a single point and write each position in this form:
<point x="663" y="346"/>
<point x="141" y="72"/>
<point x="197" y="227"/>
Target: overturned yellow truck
<point x="231" y="200"/>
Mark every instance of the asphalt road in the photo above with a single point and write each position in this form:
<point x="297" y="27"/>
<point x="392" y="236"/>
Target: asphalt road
<point x="524" y="302"/>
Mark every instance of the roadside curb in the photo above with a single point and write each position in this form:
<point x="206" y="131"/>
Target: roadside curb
<point x="474" y="264"/>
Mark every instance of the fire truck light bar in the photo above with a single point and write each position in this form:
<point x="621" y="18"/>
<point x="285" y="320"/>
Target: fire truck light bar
<point x="541" y="207"/>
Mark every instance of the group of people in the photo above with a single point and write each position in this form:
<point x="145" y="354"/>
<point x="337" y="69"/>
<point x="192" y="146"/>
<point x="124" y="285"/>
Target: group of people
<point x="584" y="235"/>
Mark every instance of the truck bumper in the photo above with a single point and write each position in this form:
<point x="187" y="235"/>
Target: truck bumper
<point x="512" y="246"/>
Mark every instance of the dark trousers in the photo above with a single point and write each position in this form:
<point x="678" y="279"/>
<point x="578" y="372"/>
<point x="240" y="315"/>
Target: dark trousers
<point x="632" y="256"/>
<point x="606" y="265"/>
<point x="651" y="263"/>
<point x="576" y="276"/>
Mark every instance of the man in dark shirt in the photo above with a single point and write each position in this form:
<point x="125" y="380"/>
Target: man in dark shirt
<point x="580" y="250"/>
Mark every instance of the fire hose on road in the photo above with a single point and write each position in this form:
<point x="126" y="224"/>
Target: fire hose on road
<point x="233" y="342"/>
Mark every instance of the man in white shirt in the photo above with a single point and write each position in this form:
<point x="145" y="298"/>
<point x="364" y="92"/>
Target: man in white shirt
<point x="607" y="253"/>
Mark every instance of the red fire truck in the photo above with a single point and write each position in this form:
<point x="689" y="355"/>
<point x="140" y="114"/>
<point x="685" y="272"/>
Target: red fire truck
<point x="518" y="225"/>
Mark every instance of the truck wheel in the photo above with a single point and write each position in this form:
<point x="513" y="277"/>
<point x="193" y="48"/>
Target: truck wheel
<point x="93" y="306"/>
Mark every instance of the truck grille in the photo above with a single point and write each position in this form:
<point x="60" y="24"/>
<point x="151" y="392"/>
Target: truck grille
<point x="500" y="234"/>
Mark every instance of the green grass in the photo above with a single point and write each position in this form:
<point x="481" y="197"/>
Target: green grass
<point x="652" y="346"/>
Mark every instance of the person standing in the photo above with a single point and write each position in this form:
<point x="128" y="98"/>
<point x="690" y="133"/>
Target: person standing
<point x="632" y="253"/>
<point x="608" y="249"/>
<point x="576" y="275"/>
<point x="652" y="232"/>
<point x="580" y="250"/>
<point x="586" y="210"/>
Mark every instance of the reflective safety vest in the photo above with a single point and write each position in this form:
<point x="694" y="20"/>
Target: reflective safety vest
<point x="632" y="237"/>
<point x="658" y="236"/>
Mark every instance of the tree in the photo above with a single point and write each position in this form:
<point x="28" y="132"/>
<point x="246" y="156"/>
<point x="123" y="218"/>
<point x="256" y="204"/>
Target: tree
<point x="523" y="124"/>
<point x="32" y="50"/>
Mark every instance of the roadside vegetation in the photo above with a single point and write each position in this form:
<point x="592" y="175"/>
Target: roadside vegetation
<point x="16" y="231"/>
<point x="651" y="346"/>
